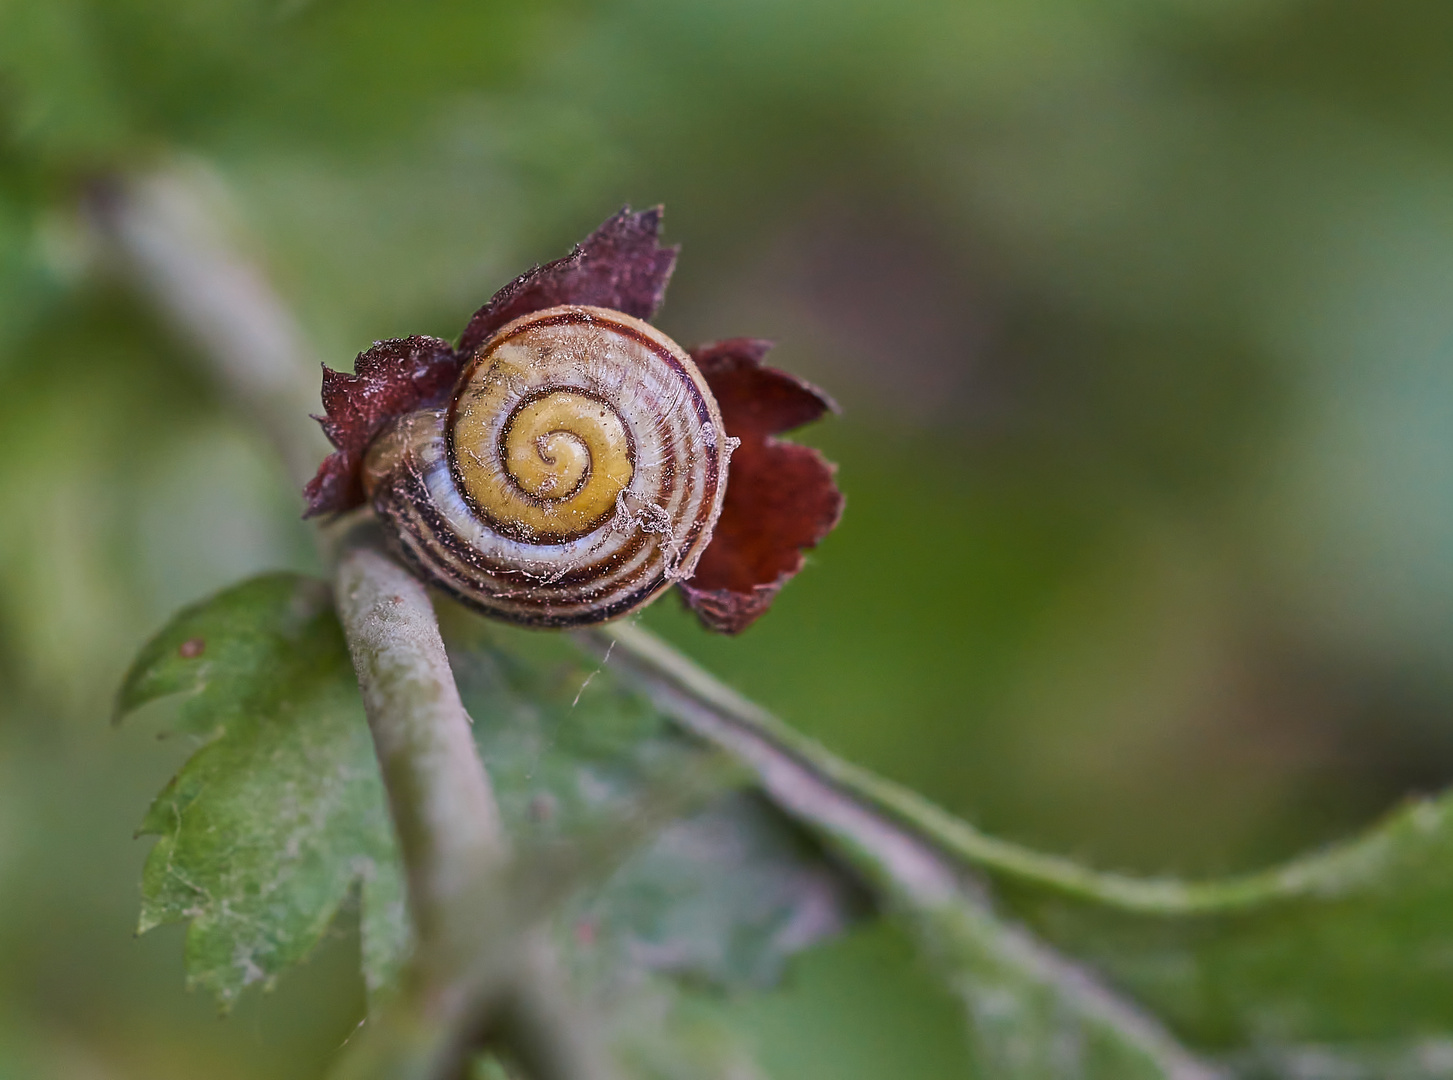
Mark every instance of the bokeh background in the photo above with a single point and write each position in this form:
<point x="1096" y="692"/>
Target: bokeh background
<point x="1140" y="312"/>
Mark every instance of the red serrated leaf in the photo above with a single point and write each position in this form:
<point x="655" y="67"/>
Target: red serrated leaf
<point x="619" y="266"/>
<point x="392" y="378"/>
<point x="780" y="498"/>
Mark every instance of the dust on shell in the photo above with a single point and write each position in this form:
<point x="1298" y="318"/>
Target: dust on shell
<point x="577" y="471"/>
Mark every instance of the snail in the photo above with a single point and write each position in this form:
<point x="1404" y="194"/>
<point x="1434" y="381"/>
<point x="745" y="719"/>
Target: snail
<point x="569" y="462"/>
<point x="577" y="470"/>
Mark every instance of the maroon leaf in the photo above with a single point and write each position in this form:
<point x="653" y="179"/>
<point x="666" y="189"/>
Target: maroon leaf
<point x="392" y="378"/>
<point x="780" y="497"/>
<point x="619" y="266"/>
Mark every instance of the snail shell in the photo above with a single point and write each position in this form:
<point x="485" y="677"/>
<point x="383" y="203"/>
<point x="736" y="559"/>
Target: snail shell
<point x="577" y="470"/>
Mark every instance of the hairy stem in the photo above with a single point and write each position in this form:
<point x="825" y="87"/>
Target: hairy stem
<point x="168" y="228"/>
<point x="855" y="814"/>
<point x="165" y="231"/>
<point x="1324" y="873"/>
<point x="443" y="809"/>
<point x="478" y="969"/>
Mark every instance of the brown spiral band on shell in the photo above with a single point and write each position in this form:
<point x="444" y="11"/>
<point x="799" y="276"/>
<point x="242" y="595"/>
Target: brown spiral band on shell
<point x="633" y="517"/>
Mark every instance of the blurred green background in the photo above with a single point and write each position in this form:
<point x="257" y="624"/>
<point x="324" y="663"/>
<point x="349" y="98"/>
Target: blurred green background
<point x="1141" y="313"/>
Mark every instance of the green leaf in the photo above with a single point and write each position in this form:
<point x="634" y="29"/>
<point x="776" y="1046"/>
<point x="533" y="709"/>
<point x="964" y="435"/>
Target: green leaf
<point x="1421" y="1059"/>
<point x="1033" y="1013"/>
<point x="721" y="898"/>
<point x="1336" y="960"/>
<point x="1345" y="952"/>
<point x="660" y="1029"/>
<point x="724" y="896"/>
<point x="268" y="827"/>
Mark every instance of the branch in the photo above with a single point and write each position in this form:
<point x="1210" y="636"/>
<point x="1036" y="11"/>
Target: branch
<point x="478" y="965"/>
<point x="1326" y="873"/>
<point x="856" y="815"/>
<point x="168" y="229"/>
<point x="443" y="809"/>
<point x="165" y="230"/>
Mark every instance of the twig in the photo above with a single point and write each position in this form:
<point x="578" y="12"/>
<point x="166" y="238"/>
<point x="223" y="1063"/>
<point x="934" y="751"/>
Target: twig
<point x="478" y="966"/>
<point x="166" y="230"/>
<point x="443" y="809"/>
<point x="170" y="230"/>
<point x="900" y="858"/>
<point x="1334" y="871"/>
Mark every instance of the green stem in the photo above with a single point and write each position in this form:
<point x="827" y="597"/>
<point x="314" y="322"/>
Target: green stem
<point x="716" y="706"/>
<point x="164" y="228"/>
<point x="478" y="968"/>
<point x="443" y="809"/>
<point x="167" y="227"/>
<point x="894" y="839"/>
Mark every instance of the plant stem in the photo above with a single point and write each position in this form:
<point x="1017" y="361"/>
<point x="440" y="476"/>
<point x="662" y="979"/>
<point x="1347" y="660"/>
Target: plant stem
<point x="794" y="780"/>
<point x="468" y="975"/>
<point x="1330" y="872"/>
<point x="168" y="229"/>
<point x="164" y="228"/>
<point x="443" y="809"/>
<point x="908" y="863"/>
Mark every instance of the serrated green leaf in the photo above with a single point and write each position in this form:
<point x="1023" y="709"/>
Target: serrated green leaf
<point x="1333" y="953"/>
<point x="258" y="851"/>
<point x="274" y="820"/>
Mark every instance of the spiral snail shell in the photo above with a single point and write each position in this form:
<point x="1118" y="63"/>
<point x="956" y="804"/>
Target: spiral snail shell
<point x="576" y="471"/>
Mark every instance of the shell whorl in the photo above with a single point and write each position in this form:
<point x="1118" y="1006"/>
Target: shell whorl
<point x="577" y="470"/>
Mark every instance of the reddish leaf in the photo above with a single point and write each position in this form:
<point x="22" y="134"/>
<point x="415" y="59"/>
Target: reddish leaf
<point x="619" y="266"/>
<point x="392" y="378"/>
<point x="780" y="497"/>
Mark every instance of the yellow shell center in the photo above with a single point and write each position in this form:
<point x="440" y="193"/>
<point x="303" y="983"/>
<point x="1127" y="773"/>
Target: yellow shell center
<point x="560" y="463"/>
